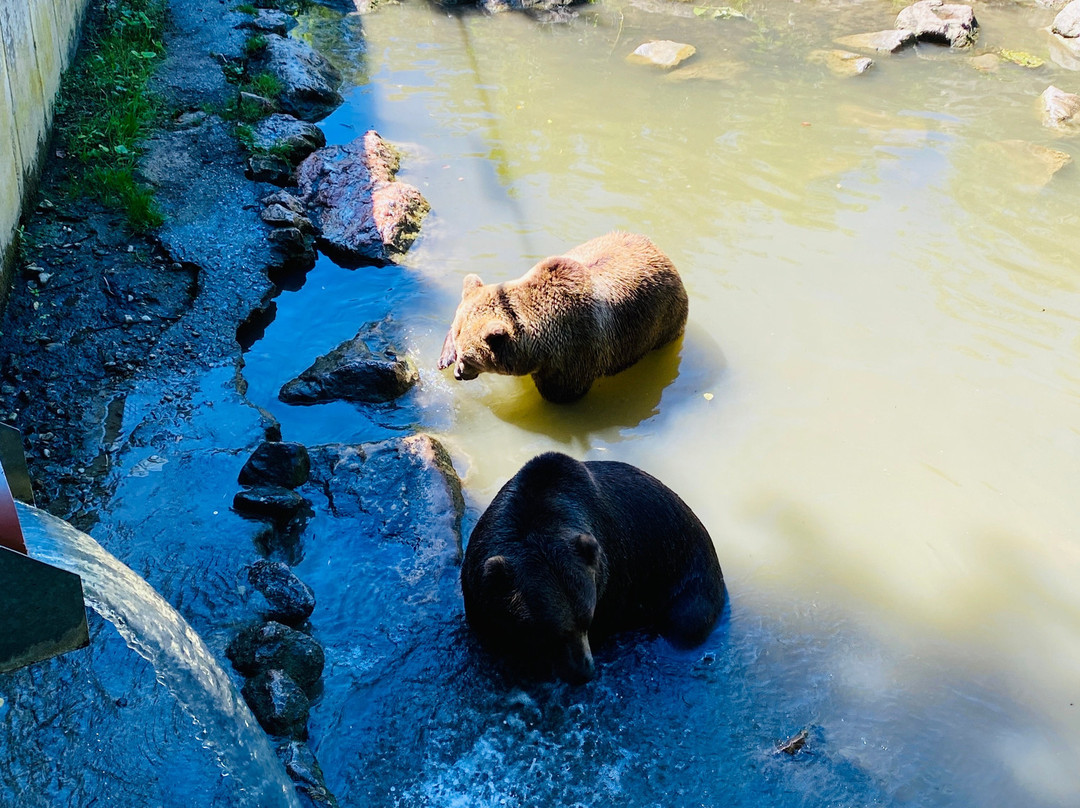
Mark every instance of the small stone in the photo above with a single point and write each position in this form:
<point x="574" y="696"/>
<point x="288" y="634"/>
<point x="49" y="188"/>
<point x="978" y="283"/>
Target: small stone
<point x="280" y="216"/>
<point x="277" y="463"/>
<point x="267" y="168"/>
<point x="291" y="601"/>
<point x="262" y="103"/>
<point x="661" y="53"/>
<point x="278" y="703"/>
<point x="285" y="199"/>
<point x="1061" y="110"/>
<point x="287" y="137"/>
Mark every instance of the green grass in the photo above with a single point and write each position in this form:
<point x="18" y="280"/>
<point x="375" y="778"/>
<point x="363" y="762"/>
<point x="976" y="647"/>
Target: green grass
<point x="105" y="110"/>
<point x="254" y="45"/>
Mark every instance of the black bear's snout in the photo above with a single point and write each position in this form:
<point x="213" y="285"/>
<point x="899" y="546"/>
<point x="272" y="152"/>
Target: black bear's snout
<point x="578" y="666"/>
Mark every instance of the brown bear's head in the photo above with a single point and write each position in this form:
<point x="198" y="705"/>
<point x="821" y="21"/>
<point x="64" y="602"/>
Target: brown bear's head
<point x="539" y="605"/>
<point x="481" y="336"/>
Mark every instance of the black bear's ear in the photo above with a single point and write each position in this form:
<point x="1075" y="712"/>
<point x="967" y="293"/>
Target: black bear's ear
<point x="587" y="547"/>
<point x="496" y="335"/>
<point x="498" y="574"/>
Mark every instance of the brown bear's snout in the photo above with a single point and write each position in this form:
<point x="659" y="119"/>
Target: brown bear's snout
<point x="464" y="372"/>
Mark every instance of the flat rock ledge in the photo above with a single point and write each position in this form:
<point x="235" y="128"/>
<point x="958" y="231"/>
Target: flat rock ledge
<point x="362" y="212"/>
<point x="890" y="41"/>
<point x="364" y="369"/>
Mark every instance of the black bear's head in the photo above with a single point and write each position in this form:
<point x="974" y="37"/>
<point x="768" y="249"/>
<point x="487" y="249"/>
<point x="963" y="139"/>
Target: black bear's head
<point x="538" y="605"/>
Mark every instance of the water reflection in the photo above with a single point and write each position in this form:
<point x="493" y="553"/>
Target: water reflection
<point x="893" y="425"/>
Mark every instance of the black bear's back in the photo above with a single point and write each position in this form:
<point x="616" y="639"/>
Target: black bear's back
<point x="662" y="564"/>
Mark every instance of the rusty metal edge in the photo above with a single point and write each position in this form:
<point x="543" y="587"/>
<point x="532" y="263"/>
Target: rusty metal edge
<point x="11" y="535"/>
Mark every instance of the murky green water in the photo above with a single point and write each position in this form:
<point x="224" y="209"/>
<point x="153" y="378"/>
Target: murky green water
<point x="874" y="409"/>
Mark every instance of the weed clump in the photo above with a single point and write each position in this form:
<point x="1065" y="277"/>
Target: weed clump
<point x="105" y="109"/>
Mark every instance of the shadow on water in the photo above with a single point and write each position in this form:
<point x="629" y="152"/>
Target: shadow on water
<point x="693" y="365"/>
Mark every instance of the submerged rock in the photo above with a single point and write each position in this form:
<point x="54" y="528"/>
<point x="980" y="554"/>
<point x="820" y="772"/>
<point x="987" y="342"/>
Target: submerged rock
<point x="274" y="646"/>
<point x="1067" y="22"/>
<point x="353" y="371"/>
<point x="301" y="765"/>
<point x="362" y="211"/>
<point x="949" y="24"/>
<point x="661" y="53"/>
<point x="842" y="63"/>
<point x="287" y="137"/>
<point x="279" y="704"/>
<point x="707" y="71"/>
<point x="277" y="463"/>
<point x="290" y="600"/>
<point x="309" y="82"/>
<point x="890" y="41"/>
<point x="1029" y="165"/>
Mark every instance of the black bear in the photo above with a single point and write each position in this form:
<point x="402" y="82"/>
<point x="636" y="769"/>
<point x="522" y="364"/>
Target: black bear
<point x="569" y="551"/>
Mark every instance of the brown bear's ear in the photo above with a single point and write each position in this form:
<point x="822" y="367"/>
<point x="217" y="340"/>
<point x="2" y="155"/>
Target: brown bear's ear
<point x="587" y="547"/>
<point x="496" y="335"/>
<point x="472" y="281"/>
<point x="498" y="574"/>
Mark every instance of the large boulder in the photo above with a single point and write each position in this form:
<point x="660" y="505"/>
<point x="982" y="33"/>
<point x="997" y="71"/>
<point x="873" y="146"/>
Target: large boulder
<point x="949" y="24"/>
<point x="309" y="82"/>
<point x="365" y="368"/>
<point x="363" y="213"/>
<point x="1067" y="22"/>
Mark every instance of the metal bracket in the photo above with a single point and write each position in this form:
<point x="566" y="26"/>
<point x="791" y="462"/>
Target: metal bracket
<point x="42" y="611"/>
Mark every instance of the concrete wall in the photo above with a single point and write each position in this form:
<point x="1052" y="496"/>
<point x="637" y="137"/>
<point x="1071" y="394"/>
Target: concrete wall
<point x="37" y="42"/>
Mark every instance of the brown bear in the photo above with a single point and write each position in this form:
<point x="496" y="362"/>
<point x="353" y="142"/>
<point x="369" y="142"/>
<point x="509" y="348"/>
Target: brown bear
<point x="571" y="318"/>
<point x="569" y="552"/>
